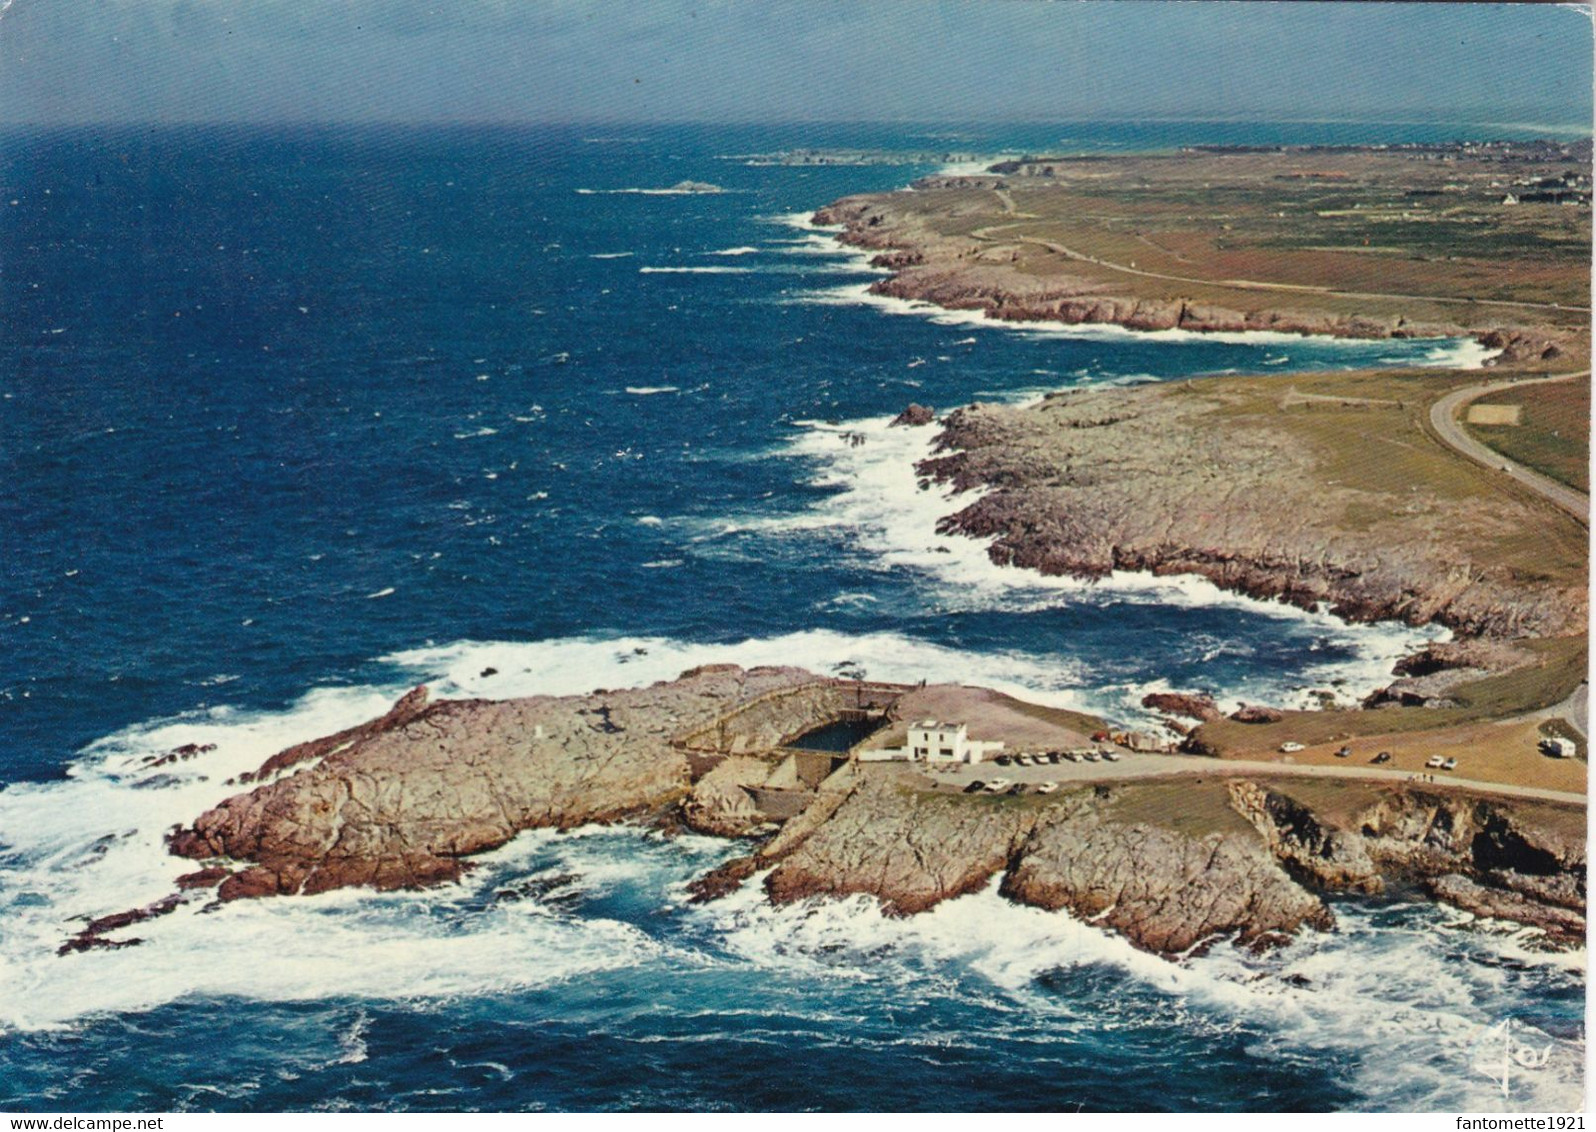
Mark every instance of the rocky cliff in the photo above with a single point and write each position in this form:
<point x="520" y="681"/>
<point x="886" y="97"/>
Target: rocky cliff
<point x="1172" y="865"/>
<point x="1217" y="481"/>
<point x="1165" y="882"/>
<point x="399" y="804"/>
<point x="982" y="272"/>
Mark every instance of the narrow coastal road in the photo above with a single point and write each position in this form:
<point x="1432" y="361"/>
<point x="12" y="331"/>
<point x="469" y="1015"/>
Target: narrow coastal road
<point x="1575" y="710"/>
<point x="1132" y="766"/>
<point x="1298" y="288"/>
<point x="1444" y="418"/>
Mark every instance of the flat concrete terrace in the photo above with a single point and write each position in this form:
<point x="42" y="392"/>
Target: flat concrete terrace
<point x="990" y="715"/>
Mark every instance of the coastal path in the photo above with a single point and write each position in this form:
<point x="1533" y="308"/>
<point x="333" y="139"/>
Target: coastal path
<point x="1141" y="766"/>
<point x="1444" y="419"/>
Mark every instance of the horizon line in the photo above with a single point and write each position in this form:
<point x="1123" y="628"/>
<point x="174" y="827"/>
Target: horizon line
<point x="1413" y="118"/>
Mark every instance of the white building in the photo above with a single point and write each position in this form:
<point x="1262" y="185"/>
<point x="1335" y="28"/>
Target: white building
<point x="947" y="743"/>
<point x="933" y="742"/>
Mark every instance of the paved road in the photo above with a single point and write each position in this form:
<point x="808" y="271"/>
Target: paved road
<point x="1443" y="416"/>
<point x="1133" y="766"/>
<point x="1574" y="710"/>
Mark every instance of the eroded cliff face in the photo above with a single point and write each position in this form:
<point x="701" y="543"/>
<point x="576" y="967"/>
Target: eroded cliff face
<point x="1167" y="885"/>
<point x="1163" y="890"/>
<point x="965" y="273"/>
<point x="1193" y="481"/>
<point x="401" y="802"/>
<point x="1494" y="858"/>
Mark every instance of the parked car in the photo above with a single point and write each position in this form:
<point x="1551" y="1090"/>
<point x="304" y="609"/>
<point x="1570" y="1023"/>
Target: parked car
<point x="1291" y="748"/>
<point x="1090" y="756"/>
<point x="1003" y="760"/>
<point x="1047" y="788"/>
<point x="975" y="787"/>
<point x="1073" y="756"/>
<point x="1017" y="788"/>
<point x="1343" y="752"/>
<point x="1450" y="764"/>
<point x="1111" y="756"/>
<point x="998" y="785"/>
<point x="1434" y="762"/>
<point x="1382" y="757"/>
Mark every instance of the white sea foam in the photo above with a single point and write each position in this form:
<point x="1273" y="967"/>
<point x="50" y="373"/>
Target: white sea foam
<point x="694" y="270"/>
<point x="651" y="390"/>
<point x="882" y="506"/>
<point x="653" y="192"/>
<point x="611" y="255"/>
<point x="1423" y="993"/>
<point x="94" y="844"/>
<point x="1375" y="995"/>
<point x="821" y="240"/>
<point x="743" y="250"/>
<point x="571" y="665"/>
<point x="1460" y="354"/>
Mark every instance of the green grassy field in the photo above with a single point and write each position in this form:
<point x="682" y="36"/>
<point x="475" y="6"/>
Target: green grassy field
<point x="1553" y="434"/>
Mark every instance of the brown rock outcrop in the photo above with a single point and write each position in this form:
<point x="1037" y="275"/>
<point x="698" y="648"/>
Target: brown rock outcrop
<point x="916" y="414"/>
<point x="1163" y="890"/>
<point x="1488" y="857"/>
<point x="1181" y="703"/>
<point x="1561" y="925"/>
<point x="401" y="802"/>
<point x="910" y="848"/>
<point x="1257" y="713"/>
<point x="1331" y="858"/>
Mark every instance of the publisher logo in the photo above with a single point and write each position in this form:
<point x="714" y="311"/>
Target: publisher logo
<point x="1510" y="1051"/>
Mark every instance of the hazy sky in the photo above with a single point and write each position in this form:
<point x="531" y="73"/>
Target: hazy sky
<point x="584" y="60"/>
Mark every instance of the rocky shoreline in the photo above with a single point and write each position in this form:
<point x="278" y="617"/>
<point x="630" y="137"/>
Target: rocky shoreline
<point x="1170" y="481"/>
<point x="967" y="273"/>
<point x="406" y="800"/>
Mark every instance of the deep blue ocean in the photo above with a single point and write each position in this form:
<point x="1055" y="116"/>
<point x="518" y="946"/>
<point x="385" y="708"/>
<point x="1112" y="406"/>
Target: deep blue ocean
<point x="293" y="419"/>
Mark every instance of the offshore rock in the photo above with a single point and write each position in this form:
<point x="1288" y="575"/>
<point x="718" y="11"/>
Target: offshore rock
<point x="916" y="414"/>
<point x="1196" y="707"/>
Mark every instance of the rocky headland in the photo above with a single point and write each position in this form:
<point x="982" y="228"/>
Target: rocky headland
<point x="1167" y="480"/>
<point x="406" y="800"/>
<point x="1228" y="242"/>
